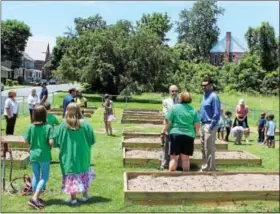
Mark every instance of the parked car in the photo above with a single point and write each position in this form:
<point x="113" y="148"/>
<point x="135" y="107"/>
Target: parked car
<point x="43" y="81"/>
<point x="2" y="86"/>
<point x="52" y="81"/>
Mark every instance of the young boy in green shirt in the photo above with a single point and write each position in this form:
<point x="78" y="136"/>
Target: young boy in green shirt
<point x="38" y="135"/>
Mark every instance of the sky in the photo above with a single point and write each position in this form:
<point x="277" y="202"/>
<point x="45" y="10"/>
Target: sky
<point x="49" y="19"/>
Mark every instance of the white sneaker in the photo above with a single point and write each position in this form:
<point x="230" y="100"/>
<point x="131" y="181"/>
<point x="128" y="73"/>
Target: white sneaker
<point x="85" y="199"/>
<point x="73" y="201"/>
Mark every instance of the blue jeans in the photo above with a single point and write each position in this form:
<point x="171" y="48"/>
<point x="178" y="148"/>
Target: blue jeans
<point x="39" y="182"/>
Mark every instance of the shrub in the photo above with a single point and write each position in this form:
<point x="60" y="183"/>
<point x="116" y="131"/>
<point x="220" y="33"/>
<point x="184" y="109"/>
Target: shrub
<point x="9" y="82"/>
<point x="15" y="82"/>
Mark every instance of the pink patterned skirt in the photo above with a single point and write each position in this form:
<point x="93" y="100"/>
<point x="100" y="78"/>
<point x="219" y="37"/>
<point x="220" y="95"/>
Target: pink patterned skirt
<point x="78" y="183"/>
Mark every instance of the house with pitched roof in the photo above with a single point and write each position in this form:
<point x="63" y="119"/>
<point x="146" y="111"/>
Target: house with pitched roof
<point x="40" y="52"/>
<point x="228" y="49"/>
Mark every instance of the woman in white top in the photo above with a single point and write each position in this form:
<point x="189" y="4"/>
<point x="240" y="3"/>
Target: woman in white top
<point x="11" y="112"/>
<point x="33" y="100"/>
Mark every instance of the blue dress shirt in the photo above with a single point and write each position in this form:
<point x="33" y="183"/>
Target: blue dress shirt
<point x="210" y="109"/>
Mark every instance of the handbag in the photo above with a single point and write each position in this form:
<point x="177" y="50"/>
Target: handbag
<point x="112" y="118"/>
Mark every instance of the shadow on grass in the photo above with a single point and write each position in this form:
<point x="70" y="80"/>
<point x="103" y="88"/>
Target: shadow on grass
<point x="93" y="200"/>
<point x="57" y="162"/>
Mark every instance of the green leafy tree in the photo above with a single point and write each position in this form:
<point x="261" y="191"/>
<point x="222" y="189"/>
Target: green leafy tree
<point x="185" y="51"/>
<point x="263" y="43"/>
<point x="112" y="65"/>
<point x="62" y="43"/>
<point x="14" y="36"/>
<point x="198" y="26"/>
<point x="91" y="23"/>
<point x="158" y="23"/>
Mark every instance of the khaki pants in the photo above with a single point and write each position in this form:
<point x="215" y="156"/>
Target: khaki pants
<point x="207" y="138"/>
<point x="165" y="157"/>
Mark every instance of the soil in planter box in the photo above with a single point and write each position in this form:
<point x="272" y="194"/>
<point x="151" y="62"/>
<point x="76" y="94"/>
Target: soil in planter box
<point x="225" y="155"/>
<point x="17" y="155"/>
<point x="239" y="182"/>
<point x="144" y="154"/>
<point x="143" y="140"/>
<point x="154" y="154"/>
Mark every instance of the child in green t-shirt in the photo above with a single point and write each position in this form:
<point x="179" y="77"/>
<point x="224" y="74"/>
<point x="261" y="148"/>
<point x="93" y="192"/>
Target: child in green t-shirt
<point x="38" y="135"/>
<point x="51" y="119"/>
<point x="74" y="137"/>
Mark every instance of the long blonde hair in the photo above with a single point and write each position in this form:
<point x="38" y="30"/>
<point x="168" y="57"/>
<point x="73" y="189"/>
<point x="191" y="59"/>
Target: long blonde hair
<point x="73" y="116"/>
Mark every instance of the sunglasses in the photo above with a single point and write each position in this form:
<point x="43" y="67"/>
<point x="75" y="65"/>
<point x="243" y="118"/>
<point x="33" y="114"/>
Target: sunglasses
<point x="174" y="91"/>
<point x="204" y="85"/>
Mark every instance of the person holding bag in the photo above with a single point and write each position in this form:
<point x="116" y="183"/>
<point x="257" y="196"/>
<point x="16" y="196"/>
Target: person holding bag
<point x="108" y="114"/>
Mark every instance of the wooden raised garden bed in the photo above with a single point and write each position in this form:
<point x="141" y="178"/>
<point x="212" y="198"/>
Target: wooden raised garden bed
<point x="20" y="159"/>
<point x="140" y="157"/>
<point x="200" y="187"/>
<point x="61" y="113"/>
<point x="90" y="111"/>
<point x="132" y="134"/>
<point x="88" y="108"/>
<point x="154" y="117"/>
<point x="15" y="142"/>
<point x="155" y="142"/>
<point x="142" y="121"/>
<point x="140" y="110"/>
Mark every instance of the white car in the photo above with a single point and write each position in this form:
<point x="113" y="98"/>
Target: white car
<point x="2" y="86"/>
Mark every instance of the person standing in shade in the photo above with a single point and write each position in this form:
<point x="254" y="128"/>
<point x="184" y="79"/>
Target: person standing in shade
<point x="11" y="112"/>
<point x="167" y="104"/>
<point x="70" y="98"/>
<point x="33" y="100"/>
<point x="209" y="115"/>
<point x="44" y="94"/>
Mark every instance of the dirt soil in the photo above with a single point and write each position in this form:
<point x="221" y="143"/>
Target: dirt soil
<point x="143" y="140"/>
<point x="153" y="154"/>
<point x="205" y="182"/>
<point x="18" y="155"/>
<point x="225" y="155"/>
<point x="148" y="139"/>
<point x="12" y="139"/>
<point x="143" y="154"/>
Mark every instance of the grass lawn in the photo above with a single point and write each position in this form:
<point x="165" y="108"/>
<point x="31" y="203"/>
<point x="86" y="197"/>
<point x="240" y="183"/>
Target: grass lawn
<point x="107" y="188"/>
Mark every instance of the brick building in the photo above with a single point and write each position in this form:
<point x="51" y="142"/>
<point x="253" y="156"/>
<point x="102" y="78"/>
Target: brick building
<point x="228" y="49"/>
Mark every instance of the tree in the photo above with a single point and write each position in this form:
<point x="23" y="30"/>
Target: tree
<point x="198" y="26"/>
<point x="14" y="36"/>
<point x="62" y="43"/>
<point x="263" y="43"/>
<point x="185" y="51"/>
<point x="113" y="65"/>
<point x="91" y="23"/>
<point x="247" y="76"/>
<point x="158" y="23"/>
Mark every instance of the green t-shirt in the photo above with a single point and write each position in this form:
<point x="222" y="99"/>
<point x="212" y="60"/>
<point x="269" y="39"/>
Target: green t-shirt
<point x="182" y="118"/>
<point x="75" y="147"/>
<point x="38" y="136"/>
<point x="52" y="120"/>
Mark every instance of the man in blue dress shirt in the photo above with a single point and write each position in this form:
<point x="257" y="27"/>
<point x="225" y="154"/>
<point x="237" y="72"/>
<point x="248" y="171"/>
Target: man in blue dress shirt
<point x="209" y="115"/>
<point x="68" y="99"/>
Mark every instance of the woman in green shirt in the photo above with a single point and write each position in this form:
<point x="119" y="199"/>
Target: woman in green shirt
<point x="182" y="124"/>
<point x="39" y="135"/>
<point x="74" y="137"/>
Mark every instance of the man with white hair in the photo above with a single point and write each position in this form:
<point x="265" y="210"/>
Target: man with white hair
<point x="167" y="104"/>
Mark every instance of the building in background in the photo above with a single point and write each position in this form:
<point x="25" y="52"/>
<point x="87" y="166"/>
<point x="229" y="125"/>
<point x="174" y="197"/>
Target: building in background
<point x="228" y="49"/>
<point x="40" y="52"/>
